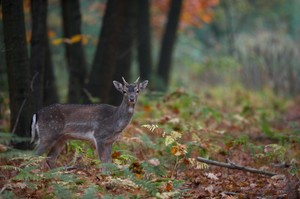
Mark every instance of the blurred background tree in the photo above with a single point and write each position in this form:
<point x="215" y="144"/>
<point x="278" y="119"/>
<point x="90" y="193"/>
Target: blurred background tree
<point x="18" y="71"/>
<point x="249" y="43"/>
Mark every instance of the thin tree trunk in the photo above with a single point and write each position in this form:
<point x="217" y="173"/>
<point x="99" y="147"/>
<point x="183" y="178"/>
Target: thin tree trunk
<point x="74" y="51"/>
<point x="126" y="46"/>
<point x="144" y="39"/>
<point x="38" y="50"/>
<point x="50" y="91"/>
<point x="18" y="69"/>
<point x="105" y="60"/>
<point x="168" y="42"/>
<point x="230" y="29"/>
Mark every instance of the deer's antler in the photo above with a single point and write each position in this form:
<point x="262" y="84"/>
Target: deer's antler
<point x="124" y="81"/>
<point x="136" y="81"/>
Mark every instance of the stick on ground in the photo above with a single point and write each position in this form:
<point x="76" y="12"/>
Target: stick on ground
<point x="235" y="166"/>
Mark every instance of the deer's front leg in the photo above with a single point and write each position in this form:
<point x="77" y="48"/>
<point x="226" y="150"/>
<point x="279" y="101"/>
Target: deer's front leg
<point x="104" y="153"/>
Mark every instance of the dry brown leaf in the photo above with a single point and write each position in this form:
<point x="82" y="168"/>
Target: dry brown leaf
<point x="3" y="148"/>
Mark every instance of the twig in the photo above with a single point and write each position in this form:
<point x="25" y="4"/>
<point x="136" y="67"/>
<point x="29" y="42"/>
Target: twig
<point x="32" y="80"/>
<point x="18" y="117"/>
<point x="175" y="166"/>
<point x="235" y="166"/>
<point x="3" y="188"/>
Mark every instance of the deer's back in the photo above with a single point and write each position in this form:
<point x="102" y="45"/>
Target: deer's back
<point x="59" y="116"/>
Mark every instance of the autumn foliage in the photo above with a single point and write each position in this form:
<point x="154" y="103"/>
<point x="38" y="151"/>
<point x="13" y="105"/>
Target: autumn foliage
<point x="156" y="155"/>
<point x="195" y="13"/>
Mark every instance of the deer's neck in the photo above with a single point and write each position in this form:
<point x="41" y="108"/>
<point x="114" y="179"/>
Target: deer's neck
<point x="125" y="109"/>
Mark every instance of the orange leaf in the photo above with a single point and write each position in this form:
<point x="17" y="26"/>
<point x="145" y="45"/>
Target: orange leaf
<point x="174" y="150"/>
<point x="75" y="39"/>
<point x="169" y="186"/>
<point x="51" y="34"/>
<point x="57" y="41"/>
<point x="147" y="108"/>
<point x="116" y="155"/>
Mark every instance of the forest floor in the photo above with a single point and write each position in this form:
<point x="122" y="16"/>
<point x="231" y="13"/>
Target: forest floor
<point x="156" y="156"/>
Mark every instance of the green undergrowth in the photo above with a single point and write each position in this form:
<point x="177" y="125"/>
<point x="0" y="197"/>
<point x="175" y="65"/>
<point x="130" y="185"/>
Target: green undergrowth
<point x="156" y="154"/>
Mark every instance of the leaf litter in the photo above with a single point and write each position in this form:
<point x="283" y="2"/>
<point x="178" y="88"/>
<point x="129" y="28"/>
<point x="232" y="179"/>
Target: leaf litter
<point x="156" y="156"/>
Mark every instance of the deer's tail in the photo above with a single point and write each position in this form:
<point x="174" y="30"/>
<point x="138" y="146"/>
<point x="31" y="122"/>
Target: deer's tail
<point x="33" y="128"/>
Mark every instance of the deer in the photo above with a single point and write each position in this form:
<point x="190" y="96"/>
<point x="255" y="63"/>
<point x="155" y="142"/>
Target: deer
<point x="99" y="124"/>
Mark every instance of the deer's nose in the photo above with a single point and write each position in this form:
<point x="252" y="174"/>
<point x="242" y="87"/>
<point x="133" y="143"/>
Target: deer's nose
<point x="131" y="98"/>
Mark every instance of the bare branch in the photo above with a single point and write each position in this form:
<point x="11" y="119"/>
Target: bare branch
<point x="18" y="117"/>
<point x="235" y="166"/>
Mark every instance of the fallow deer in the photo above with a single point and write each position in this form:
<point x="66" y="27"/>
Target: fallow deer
<point x="101" y="124"/>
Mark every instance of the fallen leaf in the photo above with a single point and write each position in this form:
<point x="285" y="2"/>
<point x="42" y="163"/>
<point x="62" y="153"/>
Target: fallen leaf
<point x="169" y="186"/>
<point x="3" y="148"/>
<point x="210" y="189"/>
<point x="154" y="161"/>
<point x="278" y="177"/>
<point x="211" y="176"/>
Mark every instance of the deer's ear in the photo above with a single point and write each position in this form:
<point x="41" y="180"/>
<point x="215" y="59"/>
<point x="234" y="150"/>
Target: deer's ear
<point x="143" y="85"/>
<point x="118" y="86"/>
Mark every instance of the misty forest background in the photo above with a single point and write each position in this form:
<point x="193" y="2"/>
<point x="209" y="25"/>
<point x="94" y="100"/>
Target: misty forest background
<point x="70" y="51"/>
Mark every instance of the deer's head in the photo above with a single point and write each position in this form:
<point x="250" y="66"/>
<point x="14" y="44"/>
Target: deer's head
<point x="130" y="91"/>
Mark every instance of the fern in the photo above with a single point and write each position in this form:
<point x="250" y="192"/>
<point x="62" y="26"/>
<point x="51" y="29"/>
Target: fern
<point x="62" y="192"/>
<point x="9" y="167"/>
<point x="151" y="127"/>
<point x="198" y="165"/>
<point x="90" y="192"/>
<point x="173" y="137"/>
<point x="167" y="195"/>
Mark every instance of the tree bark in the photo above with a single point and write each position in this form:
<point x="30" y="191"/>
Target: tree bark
<point x="105" y="60"/>
<point x="3" y="80"/>
<point x="126" y="45"/>
<point x="168" y="42"/>
<point x="74" y="50"/>
<point x="18" y="69"/>
<point x="38" y="50"/>
<point x="50" y="91"/>
<point x="144" y="39"/>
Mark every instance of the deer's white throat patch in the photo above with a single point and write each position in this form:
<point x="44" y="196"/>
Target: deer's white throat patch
<point x="130" y="109"/>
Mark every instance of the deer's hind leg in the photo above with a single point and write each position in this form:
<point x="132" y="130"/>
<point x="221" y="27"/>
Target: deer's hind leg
<point x="54" y="152"/>
<point x="43" y="147"/>
<point x="48" y="136"/>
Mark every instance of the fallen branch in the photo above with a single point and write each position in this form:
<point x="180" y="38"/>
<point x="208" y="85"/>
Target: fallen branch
<point x="235" y="166"/>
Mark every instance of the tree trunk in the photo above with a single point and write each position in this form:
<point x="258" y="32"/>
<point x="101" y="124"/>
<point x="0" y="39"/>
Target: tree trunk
<point x="74" y="50"/>
<point x="126" y="46"/>
<point x="168" y="42"/>
<point x="105" y="60"/>
<point x="18" y="69"/>
<point x="50" y="91"/>
<point x="38" y="50"/>
<point x="144" y="39"/>
<point x="3" y="79"/>
<point x="230" y="28"/>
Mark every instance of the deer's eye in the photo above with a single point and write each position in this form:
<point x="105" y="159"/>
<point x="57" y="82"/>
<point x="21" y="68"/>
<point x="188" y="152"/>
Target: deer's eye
<point x="124" y="91"/>
<point x="137" y="91"/>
